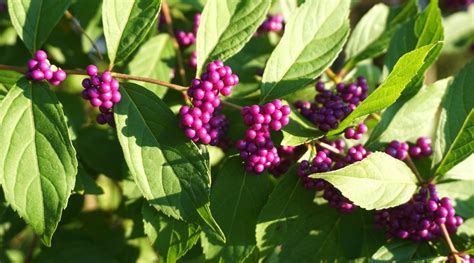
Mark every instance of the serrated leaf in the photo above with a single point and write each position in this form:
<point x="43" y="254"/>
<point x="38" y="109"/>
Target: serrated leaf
<point x="154" y="59"/>
<point x="167" y="167"/>
<point x="34" y="20"/>
<point x="236" y="200"/>
<point x="38" y="162"/>
<point x="126" y="24"/>
<point x="379" y="181"/>
<point x="409" y="67"/>
<point x="7" y="80"/>
<point x="226" y="26"/>
<point x="368" y="30"/>
<point x="299" y="130"/>
<point x="462" y="171"/>
<point x="308" y="232"/>
<point x="402" y="120"/>
<point x="397" y="250"/>
<point x="85" y="184"/>
<point x="172" y="238"/>
<point x="313" y="38"/>
<point x="456" y="106"/>
<point x="462" y="147"/>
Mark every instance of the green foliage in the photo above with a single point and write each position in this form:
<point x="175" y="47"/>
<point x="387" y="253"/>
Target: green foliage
<point x="126" y="24"/>
<point x="36" y="155"/>
<point x="308" y="46"/>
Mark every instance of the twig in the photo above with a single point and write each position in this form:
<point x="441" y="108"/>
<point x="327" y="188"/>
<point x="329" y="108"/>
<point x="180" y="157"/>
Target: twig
<point x="169" y="25"/>
<point x="115" y="74"/>
<point x="31" y="248"/>
<point x="448" y="240"/>
<point x="332" y="76"/>
<point x="330" y="148"/>
<point x="231" y="105"/>
<point x="78" y="26"/>
<point x="413" y="168"/>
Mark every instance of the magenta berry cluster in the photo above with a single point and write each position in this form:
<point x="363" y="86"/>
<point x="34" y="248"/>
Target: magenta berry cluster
<point x="186" y="39"/>
<point x="326" y="161"/>
<point x="257" y="149"/>
<point x="355" y="133"/>
<point x="273" y="23"/>
<point x="331" y="107"/>
<point x="289" y="155"/>
<point x="397" y="149"/>
<point x="465" y="257"/>
<point x="421" y="218"/>
<point x="102" y="91"/>
<point x="39" y="69"/>
<point x="201" y="121"/>
<point x="421" y="149"/>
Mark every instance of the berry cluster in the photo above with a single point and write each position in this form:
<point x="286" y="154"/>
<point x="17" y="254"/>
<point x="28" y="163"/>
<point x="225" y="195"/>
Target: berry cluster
<point x="271" y="24"/>
<point x="465" y="257"/>
<point x="289" y="155"/>
<point x="200" y="122"/>
<point x="257" y="148"/>
<point x="356" y="132"/>
<point x="103" y="92"/>
<point x="331" y="107"/>
<point x="325" y="161"/>
<point x="186" y="39"/>
<point x="39" y="69"/>
<point x="421" y="149"/>
<point x="397" y="150"/>
<point x="421" y="218"/>
<point x="400" y="150"/>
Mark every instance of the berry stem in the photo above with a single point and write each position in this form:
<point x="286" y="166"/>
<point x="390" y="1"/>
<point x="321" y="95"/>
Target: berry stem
<point x="231" y="105"/>
<point x="330" y="148"/>
<point x="76" y="24"/>
<point x="335" y="78"/>
<point x="169" y="25"/>
<point x="448" y="240"/>
<point x="413" y="168"/>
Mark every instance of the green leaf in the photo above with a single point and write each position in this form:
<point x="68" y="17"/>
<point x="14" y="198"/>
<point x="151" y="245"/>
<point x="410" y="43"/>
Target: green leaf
<point x="368" y="30"/>
<point x="462" y="171"/>
<point x="36" y="155"/>
<point x="85" y="184"/>
<point x="236" y="200"/>
<point x="458" y="27"/>
<point x="462" y="147"/>
<point x="170" y="237"/>
<point x="7" y="80"/>
<point x="456" y="106"/>
<point x="126" y="24"/>
<point x="467" y="228"/>
<point x="374" y="31"/>
<point x="167" y="167"/>
<point x="425" y="29"/>
<point x="155" y="60"/>
<point x="226" y="26"/>
<point x="313" y="38"/>
<point x="409" y="67"/>
<point x="379" y="181"/>
<point x="402" y="120"/>
<point x="397" y="250"/>
<point x="299" y="130"/>
<point x="34" y="20"/>
<point x="460" y="192"/>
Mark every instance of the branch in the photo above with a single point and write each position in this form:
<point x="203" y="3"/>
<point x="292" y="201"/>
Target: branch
<point x="448" y="240"/>
<point x="231" y="105"/>
<point x="78" y="26"/>
<point x="335" y="78"/>
<point x="169" y="25"/>
<point x="330" y="148"/>
<point x="413" y="168"/>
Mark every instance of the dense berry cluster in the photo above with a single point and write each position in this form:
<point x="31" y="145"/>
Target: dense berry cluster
<point x="466" y="257"/>
<point x="186" y="39"/>
<point x="257" y="148"/>
<point x="201" y="121"/>
<point x="331" y="107"/>
<point x="325" y="161"/>
<point x="273" y="23"/>
<point x="39" y="69"/>
<point x="289" y="155"/>
<point x="102" y="91"/>
<point x="421" y="149"/>
<point x="397" y="150"/>
<point x="421" y="218"/>
<point x="355" y="133"/>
